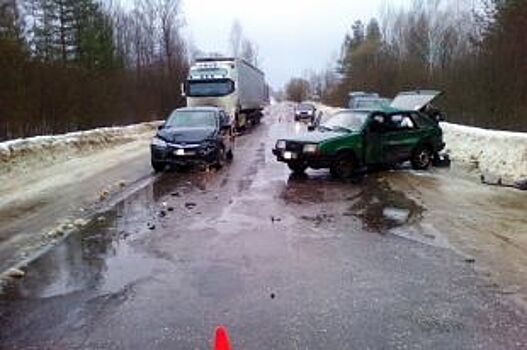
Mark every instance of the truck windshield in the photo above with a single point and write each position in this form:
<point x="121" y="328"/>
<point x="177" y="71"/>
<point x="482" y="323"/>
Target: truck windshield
<point x="191" y="119"/>
<point x="213" y="88"/>
<point x="345" y="121"/>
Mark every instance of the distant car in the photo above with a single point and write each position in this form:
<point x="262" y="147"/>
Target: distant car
<point x="370" y="103"/>
<point x="353" y="139"/>
<point x="195" y="135"/>
<point x="305" y="112"/>
<point x="356" y="96"/>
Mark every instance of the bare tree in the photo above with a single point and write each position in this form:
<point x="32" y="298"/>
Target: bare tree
<point x="235" y="38"/>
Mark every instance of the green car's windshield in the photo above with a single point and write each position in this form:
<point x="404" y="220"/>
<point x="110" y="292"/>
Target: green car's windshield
<point x="345" y="122"/>
<point x="191" y="119"/>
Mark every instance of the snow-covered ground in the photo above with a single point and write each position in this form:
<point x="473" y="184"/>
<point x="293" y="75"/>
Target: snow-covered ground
<point x="24" y="155"/>
<point x="499" y="154"/>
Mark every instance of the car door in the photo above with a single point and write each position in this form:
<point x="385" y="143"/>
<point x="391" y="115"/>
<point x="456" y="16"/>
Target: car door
<point x="372" y="138"/>
<point x="400" y="138"/>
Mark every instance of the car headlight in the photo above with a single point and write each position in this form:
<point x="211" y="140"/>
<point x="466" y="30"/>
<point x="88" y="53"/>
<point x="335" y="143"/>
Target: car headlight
<point x="207" y="147"/>
<point x="310" y="148"/>
<point x="156" y="141"/>
<point x="280" y="144"/>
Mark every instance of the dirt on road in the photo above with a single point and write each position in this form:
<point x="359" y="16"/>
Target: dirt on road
<point x="395" y="259"/>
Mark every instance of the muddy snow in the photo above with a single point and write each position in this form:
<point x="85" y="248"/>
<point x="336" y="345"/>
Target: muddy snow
<point x="24" y="155"/>
<point x="500" y="154"/>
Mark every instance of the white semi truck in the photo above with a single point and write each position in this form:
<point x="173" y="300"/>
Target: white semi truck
<point x="232" y="84"/>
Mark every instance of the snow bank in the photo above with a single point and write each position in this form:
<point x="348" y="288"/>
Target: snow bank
<point x="499" y="154"/>
<point x="23" y="154"/>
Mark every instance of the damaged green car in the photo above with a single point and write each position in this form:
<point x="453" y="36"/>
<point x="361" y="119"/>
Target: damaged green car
<point x="354" y="139"/>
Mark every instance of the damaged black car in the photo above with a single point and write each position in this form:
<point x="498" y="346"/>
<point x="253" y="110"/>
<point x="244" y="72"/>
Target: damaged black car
<point x="193" y="136"/>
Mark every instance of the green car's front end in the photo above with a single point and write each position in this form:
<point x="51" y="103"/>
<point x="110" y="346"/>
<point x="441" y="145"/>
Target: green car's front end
<point x="321" y="148"/>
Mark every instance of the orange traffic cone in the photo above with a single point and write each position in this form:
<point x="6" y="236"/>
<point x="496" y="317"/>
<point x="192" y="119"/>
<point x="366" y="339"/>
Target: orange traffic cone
<point x="221" y="339"/>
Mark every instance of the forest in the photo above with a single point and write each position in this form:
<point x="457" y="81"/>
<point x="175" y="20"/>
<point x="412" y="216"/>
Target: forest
<point x="77" y="64"/>
<point x="474" y="51"/>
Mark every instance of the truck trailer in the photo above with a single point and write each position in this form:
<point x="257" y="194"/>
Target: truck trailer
<point x="232" y="84"/>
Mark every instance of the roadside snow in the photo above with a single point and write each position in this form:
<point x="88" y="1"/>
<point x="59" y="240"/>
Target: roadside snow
<point x="25" y="154"/>
<point x="499" y="154"/>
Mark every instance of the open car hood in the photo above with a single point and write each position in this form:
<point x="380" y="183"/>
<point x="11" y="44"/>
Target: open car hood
<point x="414" y="100"/>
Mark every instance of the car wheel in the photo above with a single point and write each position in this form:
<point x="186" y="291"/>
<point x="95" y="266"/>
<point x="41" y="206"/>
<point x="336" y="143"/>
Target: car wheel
<point x="158" y="166"/>
<point x="421" y="158"/>
<point x="343" y="166"/>
<point x="220" y="157"/>
<point x="297" y="167"/>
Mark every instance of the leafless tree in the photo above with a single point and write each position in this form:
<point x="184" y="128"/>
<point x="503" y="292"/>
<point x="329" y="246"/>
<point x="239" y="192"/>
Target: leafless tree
<point x="236" y="38"/>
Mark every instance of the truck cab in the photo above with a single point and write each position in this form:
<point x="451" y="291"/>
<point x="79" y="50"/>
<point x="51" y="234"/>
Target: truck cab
<point x="230" y="84"/>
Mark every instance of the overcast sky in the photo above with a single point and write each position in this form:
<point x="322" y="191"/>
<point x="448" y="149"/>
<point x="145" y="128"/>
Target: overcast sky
<point x="292" y="35"/>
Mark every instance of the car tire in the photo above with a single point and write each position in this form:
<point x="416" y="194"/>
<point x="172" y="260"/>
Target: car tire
<point x="421" y="158"/>
<point x="158" y="166"/>
<point x="297" y="167"/>
<point x="344" y="166"/>
<point x="220" y="158"/>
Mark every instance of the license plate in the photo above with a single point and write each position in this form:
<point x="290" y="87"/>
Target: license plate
<point x="179" y="152"/>
<point x="289" y="155"/>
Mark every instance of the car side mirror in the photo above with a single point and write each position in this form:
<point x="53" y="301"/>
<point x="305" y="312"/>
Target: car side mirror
<point x="161" y="127"/>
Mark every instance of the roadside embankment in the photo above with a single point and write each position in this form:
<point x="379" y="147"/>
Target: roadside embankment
<point x="500" y="156"/>
<point x="24" y="155"/>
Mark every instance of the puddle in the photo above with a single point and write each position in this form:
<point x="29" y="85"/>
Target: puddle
<point x="381" y="209"/>
<point x="316" y="187"/>
<point x="104" y="256"/>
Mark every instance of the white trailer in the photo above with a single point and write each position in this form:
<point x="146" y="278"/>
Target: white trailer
<point x="232" y="84"/>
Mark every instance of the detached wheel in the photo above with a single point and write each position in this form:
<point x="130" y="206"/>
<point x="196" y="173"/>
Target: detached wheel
<point x="343" y="166"/>
<point x="297" y="167"/>
<point x="158" y="166"/>
<point x="421" y="158"/>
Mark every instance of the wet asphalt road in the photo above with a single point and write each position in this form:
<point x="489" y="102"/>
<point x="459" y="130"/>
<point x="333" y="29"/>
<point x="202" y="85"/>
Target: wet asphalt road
<point x="282" y="262"/>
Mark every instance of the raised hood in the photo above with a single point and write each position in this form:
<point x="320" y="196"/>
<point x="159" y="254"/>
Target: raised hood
<point x="186" y="135"/>
<point x="414" y="100"/>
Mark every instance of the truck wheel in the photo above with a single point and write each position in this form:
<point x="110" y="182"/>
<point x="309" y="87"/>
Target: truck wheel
<point x="158" y="166"/>
<point x="297" y="167"/>
<point x="421" y="158"/>
<point x="343" y="166"/>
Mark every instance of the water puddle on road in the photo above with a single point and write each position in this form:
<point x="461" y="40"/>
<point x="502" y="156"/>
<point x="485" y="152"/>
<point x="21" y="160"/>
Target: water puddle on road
<point x="105" y="256"/>
<point x="381" y="208"/>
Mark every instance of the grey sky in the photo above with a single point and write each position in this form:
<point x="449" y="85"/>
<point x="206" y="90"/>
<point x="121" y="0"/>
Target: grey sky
<point x="292" y="35"/>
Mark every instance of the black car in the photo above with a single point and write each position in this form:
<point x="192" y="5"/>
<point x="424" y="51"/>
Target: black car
<point x="305" y="111"/>
<point x="190" y="136"/>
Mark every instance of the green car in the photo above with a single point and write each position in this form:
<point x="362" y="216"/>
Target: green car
<point x="354" y="139"/>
